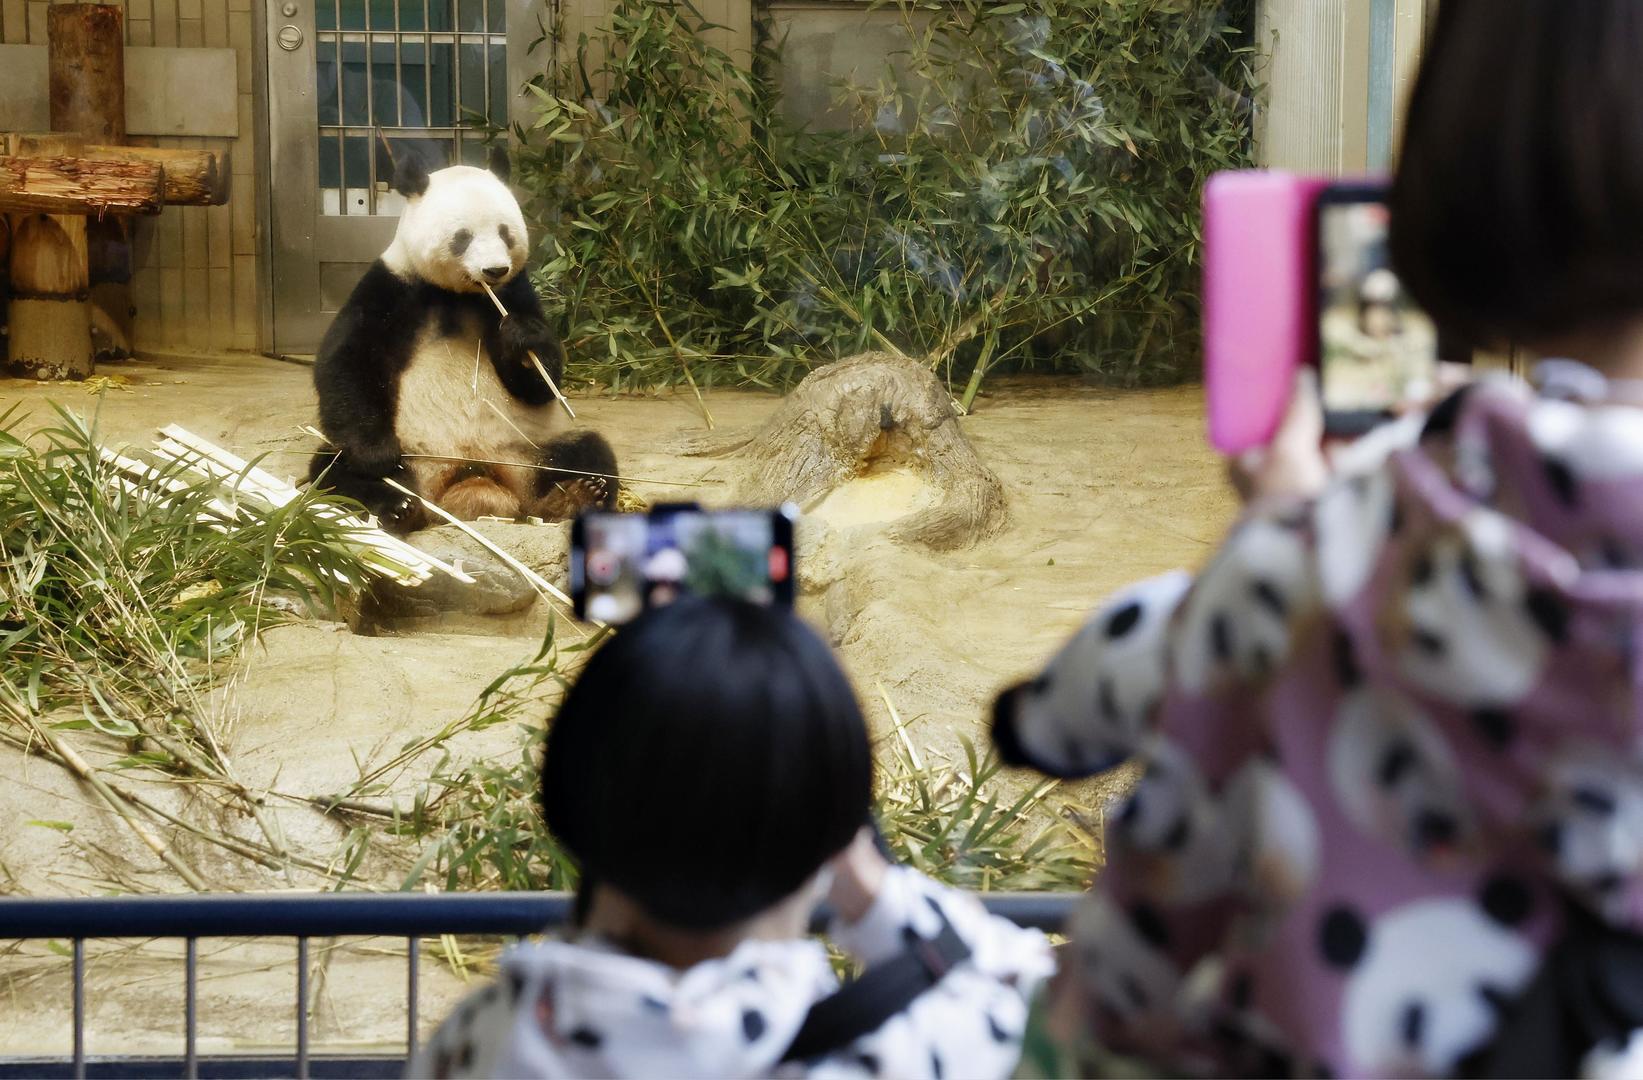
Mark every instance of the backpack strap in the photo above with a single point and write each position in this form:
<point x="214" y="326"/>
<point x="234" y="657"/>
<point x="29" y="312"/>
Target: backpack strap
<point x="865" y="1004"/>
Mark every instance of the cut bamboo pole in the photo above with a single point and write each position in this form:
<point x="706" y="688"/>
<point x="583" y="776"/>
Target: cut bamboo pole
<point x="537" y="360"/>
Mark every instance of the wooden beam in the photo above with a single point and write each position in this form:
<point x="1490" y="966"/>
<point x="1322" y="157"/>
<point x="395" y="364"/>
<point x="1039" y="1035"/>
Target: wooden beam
<point x="86" y="58"/>
<point x="64" y="185"/>
<point x="192" y="177"/>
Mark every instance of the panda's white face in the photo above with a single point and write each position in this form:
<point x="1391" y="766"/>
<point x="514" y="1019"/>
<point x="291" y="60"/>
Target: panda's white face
<point x="1428" y="985"/>
<point x="465" y="231"/>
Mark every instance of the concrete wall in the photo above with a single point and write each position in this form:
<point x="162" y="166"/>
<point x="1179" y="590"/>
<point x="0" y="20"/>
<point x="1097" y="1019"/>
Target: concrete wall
<point x="197" y="280"/>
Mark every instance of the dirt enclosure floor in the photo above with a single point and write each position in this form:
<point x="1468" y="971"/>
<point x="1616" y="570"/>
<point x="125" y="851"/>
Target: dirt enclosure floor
<point x="1104" y="487"/>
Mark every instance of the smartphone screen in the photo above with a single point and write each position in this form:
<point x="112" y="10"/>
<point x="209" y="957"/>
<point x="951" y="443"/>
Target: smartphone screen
<point x="621" y="564"/>
<point x="1377" y="349"/>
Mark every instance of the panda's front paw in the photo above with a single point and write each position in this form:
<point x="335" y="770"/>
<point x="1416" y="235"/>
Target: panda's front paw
<point x="521" y="338"/>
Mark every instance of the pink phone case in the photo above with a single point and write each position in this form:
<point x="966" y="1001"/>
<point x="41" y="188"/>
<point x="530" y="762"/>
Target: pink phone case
<point x="1260" y="287"/>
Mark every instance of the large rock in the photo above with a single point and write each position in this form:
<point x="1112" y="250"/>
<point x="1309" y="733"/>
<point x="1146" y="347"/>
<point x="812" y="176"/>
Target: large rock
<point x="499" y="601"/>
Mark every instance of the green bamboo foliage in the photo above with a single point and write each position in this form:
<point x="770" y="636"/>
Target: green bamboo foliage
<point x="1022" y="190"/>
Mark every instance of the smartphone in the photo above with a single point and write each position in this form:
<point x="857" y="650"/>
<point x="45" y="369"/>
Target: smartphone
<point x="1259" y="284"/>
<point x="622" y="564"/>
<point x="1376" y="348"/>
<point x="1296" y="274"/>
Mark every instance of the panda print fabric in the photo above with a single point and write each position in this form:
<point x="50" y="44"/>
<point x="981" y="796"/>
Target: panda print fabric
<point x="1391" y="772"/>
<point x="421" y="380"/>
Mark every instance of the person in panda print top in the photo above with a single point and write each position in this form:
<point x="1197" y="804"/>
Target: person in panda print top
<point x="711" y="773"/>
<point x="1389" y="816"/>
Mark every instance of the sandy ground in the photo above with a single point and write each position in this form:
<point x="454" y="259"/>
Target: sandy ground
<point x="1105" y="487"/>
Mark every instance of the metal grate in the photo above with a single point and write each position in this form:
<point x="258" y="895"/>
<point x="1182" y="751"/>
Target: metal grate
<point x="411" y="916"/>
<point x="430" y="74"/>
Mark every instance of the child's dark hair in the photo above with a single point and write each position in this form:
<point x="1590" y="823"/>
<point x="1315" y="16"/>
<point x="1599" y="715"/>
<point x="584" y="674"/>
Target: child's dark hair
<point x="710" y="758"/>
<point x="1518" y="203"/>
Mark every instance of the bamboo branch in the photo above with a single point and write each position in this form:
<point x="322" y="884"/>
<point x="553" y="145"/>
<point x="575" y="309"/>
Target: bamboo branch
<point x="86" y="773"/>
<point x="532" y="354"/>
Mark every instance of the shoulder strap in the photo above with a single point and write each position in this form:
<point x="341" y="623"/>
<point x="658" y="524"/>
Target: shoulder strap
<point x="864" y="1005"/>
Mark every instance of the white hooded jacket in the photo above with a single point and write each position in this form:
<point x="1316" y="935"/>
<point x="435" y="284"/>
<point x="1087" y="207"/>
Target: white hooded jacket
<point x="584" y="1009"/>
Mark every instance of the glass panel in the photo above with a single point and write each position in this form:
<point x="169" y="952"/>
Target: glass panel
<point x="470" y="16"/>
<point x="325" y="80"/>
<point x="356" y="173"/>
<point x="441" y="109"/>
<point x="325" y="15"/>
<point x="496" y="15"/>
<point x="384" y="85"/>
<point x="473" y="152"/>
<point x="413" y="88"/>
<point x="410" y="15"/>
<point x="353" y="14"/>
<point x="356" y="102"/>
<point x="382" y="15"/>
<point x="498" y="71"/>
<point x="436" y="153"/>
<point x="439" y="15"/>
<point x="330" y="161"/>
<point x="473" y="84"/>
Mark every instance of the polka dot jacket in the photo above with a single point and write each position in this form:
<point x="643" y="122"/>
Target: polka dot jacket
<point x="1381" y="738"/>
<point x="584" y="1009"/>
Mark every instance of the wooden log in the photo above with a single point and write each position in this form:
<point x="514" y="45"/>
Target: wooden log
<point x="192" y="177"/>
<point x="49" y="315"/>
<point x="48" y="256"/>
<point x="64" y="185"/>
<point x="86" y="65"/>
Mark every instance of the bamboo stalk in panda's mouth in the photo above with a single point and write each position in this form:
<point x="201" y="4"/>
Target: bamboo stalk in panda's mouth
<point x="537" y="360"/>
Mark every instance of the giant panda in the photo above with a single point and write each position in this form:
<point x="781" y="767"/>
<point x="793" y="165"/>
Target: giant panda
<point x="421" y="379"/>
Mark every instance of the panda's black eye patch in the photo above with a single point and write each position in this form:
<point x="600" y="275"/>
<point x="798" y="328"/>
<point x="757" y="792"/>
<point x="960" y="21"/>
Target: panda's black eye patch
<point x="1395" y="763"/>
<point x="460" y="241"/>
<point x="507" y="237"/>
<point x="1413" y="1025"/>
<point x="1593" y="801"/>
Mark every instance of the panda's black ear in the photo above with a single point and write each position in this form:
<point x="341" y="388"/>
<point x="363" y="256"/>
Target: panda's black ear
<point x="1507" y="900"/>
<point x="499" y="162"/>
<point x="1342" y="938"/>
<point x="410" y="174"/>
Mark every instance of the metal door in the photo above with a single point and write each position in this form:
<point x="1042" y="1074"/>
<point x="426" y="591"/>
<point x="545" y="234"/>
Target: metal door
<point x="350" y="84"/>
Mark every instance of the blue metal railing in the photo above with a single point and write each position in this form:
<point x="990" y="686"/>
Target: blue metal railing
<point x="412" y="916"/>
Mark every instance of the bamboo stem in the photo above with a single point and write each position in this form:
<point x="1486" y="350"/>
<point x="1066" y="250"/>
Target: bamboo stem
<point x="79" y="766"/>
<point x="533" y="357"/>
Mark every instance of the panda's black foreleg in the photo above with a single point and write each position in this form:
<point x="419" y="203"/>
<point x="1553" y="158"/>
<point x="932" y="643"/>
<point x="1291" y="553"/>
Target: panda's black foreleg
<point x="585" y="476"/>
<point x="397" y="512"/>
<point x="510" y="341"/>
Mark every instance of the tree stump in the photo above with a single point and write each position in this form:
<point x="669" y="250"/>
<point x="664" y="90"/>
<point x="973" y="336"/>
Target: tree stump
<point x="50" y="320"/>
<point x="867" y="413"/>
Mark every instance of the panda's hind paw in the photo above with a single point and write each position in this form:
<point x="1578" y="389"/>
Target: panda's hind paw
<point x="567" y="498"/>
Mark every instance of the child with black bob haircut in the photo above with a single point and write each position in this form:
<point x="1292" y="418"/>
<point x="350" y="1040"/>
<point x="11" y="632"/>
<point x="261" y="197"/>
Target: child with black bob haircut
<point x="711" y="773"/>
